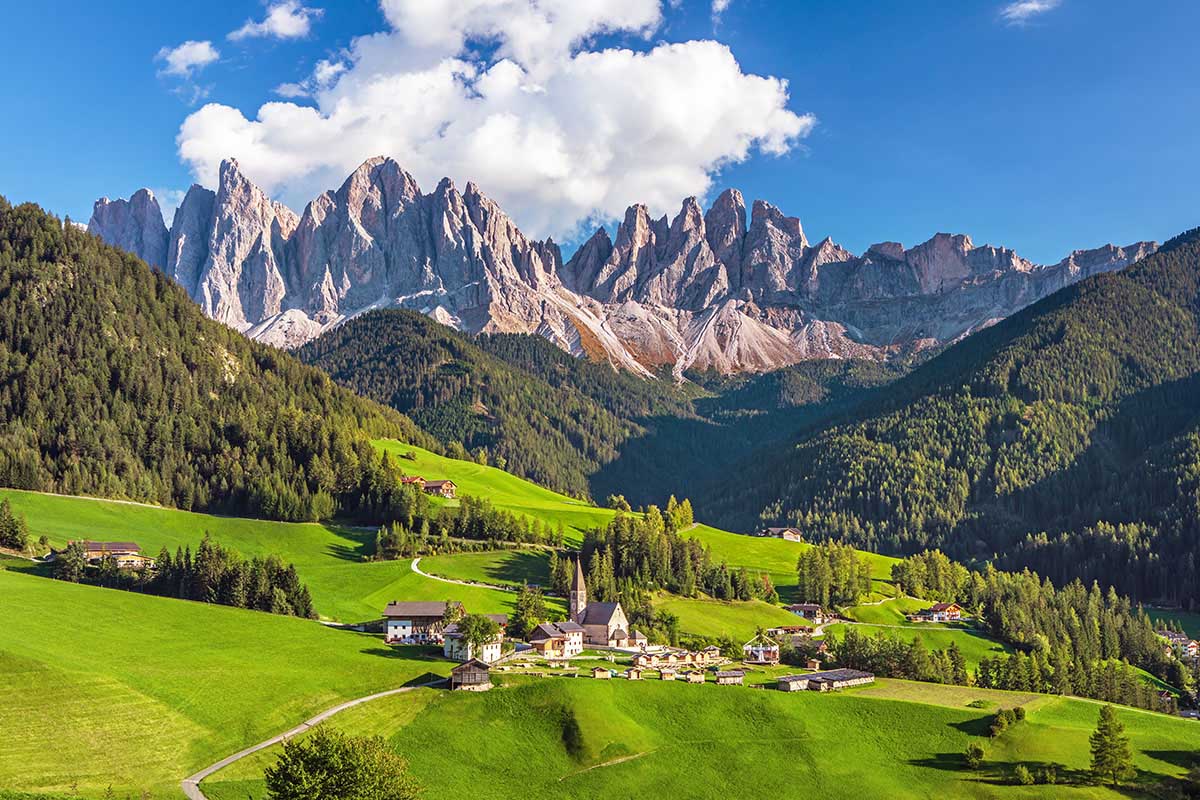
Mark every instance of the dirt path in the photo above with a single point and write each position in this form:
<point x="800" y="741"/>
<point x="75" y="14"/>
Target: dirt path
<point x="611" y="763"/>
<point x="416" y="567"/>
<point x="191" y="784"/>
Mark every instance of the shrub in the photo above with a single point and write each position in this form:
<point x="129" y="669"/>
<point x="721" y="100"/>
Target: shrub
<point x="1022" y="776"/>
<point x="1019" y="713"/>
<point x="328" y="764"/>
<point x="974" y="755"/>
<point x="980" y="703"/>
<point x="1048" y="776"/>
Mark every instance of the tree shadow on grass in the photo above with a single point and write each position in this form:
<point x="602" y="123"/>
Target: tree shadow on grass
<point x="364" y="543"/>
<point x="978" y="726"/>
<point x="405" y="652"/>
<point x="1000" y="773"/>
<point x="1184" y="759"/>
<point x="996" y="773"/>
<point x="521" y="566"/>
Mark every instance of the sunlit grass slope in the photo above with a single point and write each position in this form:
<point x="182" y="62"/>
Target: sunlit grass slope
<point x="104" y="687"/>
<point x="707" y="741"/>
<point x="328" y="558"/>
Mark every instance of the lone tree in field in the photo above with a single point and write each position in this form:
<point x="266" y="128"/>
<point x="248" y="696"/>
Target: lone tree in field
<point x="329" y="765"/>
<point x="1112" y="760"/>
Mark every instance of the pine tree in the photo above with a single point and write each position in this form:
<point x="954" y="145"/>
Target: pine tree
<point x="1112" y="759"/>
<point x="958" y="665"/>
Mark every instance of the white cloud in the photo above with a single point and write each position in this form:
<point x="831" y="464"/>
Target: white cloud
<point x="556" y="130"/>
<point x="1021" y="11"/>
<point x="322" y="76"/>
<point x="187" y="58"/>
<point x="719" y="7"/>
<point x="285" y="20"/>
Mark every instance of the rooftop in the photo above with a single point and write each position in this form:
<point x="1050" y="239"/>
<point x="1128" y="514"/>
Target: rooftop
<point x="417" y="608"/>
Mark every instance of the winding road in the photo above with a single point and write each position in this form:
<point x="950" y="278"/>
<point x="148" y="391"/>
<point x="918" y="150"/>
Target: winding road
<point x="191" y="784"/>
<point x="416" y="567"/>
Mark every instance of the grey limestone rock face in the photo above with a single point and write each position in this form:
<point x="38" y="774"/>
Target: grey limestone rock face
<point x="135" y="225"/>
<point x="707" y="289"/>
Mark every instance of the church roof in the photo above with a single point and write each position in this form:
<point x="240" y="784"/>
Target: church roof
<point x="600" y="613"/>
<point x="577" y="583"/>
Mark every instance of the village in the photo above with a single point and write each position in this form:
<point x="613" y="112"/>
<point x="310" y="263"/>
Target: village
<point x="597" y="642"/>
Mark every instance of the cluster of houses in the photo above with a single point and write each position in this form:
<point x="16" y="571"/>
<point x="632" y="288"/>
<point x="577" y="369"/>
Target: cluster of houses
<point x="938" y="612"/>
<point x="441" y="488"/>
<point x="601" y="625"/>
<point x="127" y="554"/>
<point x="824" y="681"/>
<point x="1180" y="644"/>
<point x="673" y="659"/>
<point x="475" y="675"/>
<point x="431" y="623"/>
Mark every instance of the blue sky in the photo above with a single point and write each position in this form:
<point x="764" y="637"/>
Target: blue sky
<point x="1075" y="127"/>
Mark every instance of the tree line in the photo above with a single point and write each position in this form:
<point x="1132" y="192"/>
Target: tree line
<point x="213" y="574"/>
<point x="647" y="552"/>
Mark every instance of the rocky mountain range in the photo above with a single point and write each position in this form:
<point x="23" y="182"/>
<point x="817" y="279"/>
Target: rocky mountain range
<point x="707" y="290"/>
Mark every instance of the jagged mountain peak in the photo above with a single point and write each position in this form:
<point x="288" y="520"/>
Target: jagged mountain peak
<point x="135" y="225"/>
<point x="706" y="289"/>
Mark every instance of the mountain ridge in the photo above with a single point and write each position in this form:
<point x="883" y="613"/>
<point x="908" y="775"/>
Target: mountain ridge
<point x="712" y="290"/>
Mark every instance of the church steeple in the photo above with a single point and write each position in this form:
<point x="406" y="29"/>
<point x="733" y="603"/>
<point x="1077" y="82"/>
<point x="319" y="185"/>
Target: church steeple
<point x="577" y="602"/>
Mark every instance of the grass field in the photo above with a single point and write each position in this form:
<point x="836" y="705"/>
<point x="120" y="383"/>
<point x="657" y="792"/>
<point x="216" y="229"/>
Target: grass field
<point x="505" y="491"/>
<point x="497" y="566"/>
<point x="889" y="612"/>
<point x="328" y="558"/>
<point x="708" y="741"/>
<point x="778" y="558"/>
<point x="114" y="688"/>
<point x="973" y="644"/>
<point x="716" y="618"/>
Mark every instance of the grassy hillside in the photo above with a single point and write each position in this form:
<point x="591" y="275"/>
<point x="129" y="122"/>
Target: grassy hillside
<point x="1066" y="438"/>
<point x="974" y="644"/>
<point x="710" y="741"/>
<point x="103" y="687"/>
<point x="328" y="558"/>
<point x="504" y="490"/>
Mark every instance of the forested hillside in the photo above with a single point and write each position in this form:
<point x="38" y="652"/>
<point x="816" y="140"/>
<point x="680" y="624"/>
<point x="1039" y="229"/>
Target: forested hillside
<point x="519" y="401"/>
<point x="113" y="383"/>
<point x="1066" y="438"/>
<point x="575" y="425"/>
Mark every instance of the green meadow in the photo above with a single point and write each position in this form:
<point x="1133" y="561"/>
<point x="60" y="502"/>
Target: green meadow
<point x="893" y="611"/>
<point x="110" y="688"/>
<point x="329" y="558"/>
<point x="974" y="644"/>
<point x="500" y="567"/>
<point x="644" y="738"/>
<point x="505" y="491"/>
<point x="778" y="558"/>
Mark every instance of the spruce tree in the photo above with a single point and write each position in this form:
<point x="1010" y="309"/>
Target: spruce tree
<point x="1112" y="759"/>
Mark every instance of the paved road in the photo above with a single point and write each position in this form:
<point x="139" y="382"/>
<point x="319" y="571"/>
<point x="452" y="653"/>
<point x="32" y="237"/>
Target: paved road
<point x="191" y="784"/>
<point x="416" y="567"/>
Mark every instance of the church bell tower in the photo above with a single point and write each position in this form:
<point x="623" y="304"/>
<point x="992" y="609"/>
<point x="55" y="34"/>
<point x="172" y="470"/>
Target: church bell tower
<point x="577" y="603"/>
